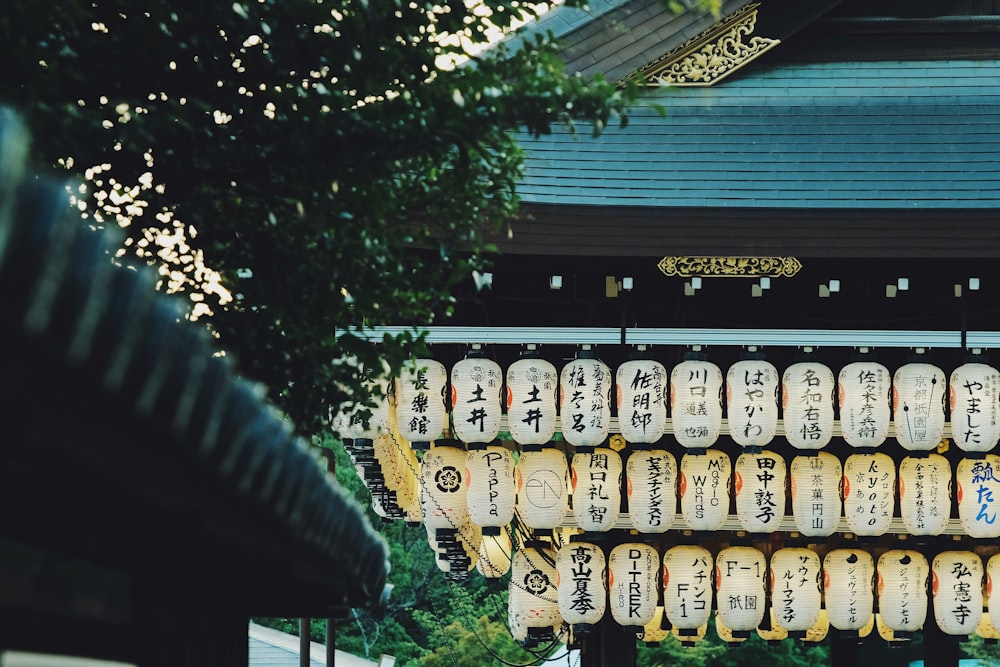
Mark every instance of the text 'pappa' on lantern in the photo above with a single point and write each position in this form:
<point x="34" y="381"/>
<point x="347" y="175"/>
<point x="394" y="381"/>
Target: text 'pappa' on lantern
<point x="918" y="398"/>
<point x="924" y="493"/>
<point x="869" y="493"/>
<point x="585" y="401"/>
<point x="752" y="402"/>
<point x="642" y="389"/>
<point x="815" y="486"/>
<point x="532" y="385"/>
<point x="807" y="391"/>
<point x="957" y="590"/>
<point x="977" y="482"/>
<point x="476" y="406"/>
<point x="759" y="479"/>
<point x="848" y="576"/>
<point x="597" y="483"/>
<point x="533" y="595"/>
<point x="740" y="591"/>
<point x="863" y="388"/>
<point x="542" y="488"/>
<point x="652" y="490"/>
<point x="687" y="586"/>
<point x="796" y="597"/>
<point x="420" y="408"/>
<point x="696" y="403"/>
<point x="633" y="570"/>
<point x="704" y="489"/>
<point x="902" y="589"/>
<point x="581" y="567"/>
<point x="492" y="491"/>
<point x="974" y="402"/>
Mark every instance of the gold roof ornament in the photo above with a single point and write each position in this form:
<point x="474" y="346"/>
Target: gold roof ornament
<point x="730" y="267"/>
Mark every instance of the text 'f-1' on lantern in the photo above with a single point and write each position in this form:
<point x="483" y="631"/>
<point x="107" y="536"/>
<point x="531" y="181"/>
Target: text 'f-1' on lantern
<point x="696" y="403"/>
<point x="633" y="570"/>
<point x="977" y="482"/>
<point x="489" y="473"/>
<point x="796" y="597"/>
<point x="924" y="494"/>
<point x="585" y="400"/>
<point x="704" y="489"/>
<point x="752" y="402"/>
<point x="863" y="388"/>
<point x="597" y="483"/>
<point x="918" y="398"/>
<point x="807" y="391"/>
<point x="642" y="389"/>
<point x="580" y="569"/>
<point x="957" y="590"/>
<point x="740" y="591"/>
<point x="687" y="586"/>
<point x="848" y="577"/>
<point x="476" y="383"/>
<point x="420" y="408"/>
<point x="533" y="596"/>
<point x="902" y="590"/>
<point x="652" y="490"/>
<point x="815" y="486"/>
<point x="532" y="384"/>
<point x="759" y="479"/>
<point x="542" y="487"/>
<point x="443" y="495"/>
<point x="975" y="399"/>
<point x="869" y="493"/>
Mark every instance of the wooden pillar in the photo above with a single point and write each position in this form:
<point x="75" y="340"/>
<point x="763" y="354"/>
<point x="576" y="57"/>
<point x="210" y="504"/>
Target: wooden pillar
<point x="331" y="641"/>
<point x="940" y="650"/>
<point x="304" y="632"/>
<point x="608" y="644"/>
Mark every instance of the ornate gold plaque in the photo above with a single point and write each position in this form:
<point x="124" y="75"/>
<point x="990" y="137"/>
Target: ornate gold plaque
<point x="730" y="267"/>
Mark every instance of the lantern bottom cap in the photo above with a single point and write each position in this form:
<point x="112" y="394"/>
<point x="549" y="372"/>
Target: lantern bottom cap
<point x="582" y="628"/>
<point x="741" y="634"/>
<point x="491" y="530"/>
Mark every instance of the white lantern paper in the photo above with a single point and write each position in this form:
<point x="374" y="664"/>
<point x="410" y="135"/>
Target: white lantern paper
<point x="443" y="495"/>
<point x="533" y="595"/>
<point x="973" y="392"/>
<point x="957" y="590"/>
<point x="532" y="385"/>
<point x="420" y="409"/>
<point x="585" y="402"/>
<point x="494" y="555"/>
<point x="492" y="491"/>
<point x="542" y="488"/>
<point x="807" y="391"/>
<point x="918" y="397"/>
<point x="696" y="403"/>
<point x="902" y="589"/>
<point x="993" y="595"/>
<point x="978" y="488"/>
<point x="796" y="597"/>
<point x="580" y="568"/>
<point x="847" y="579"/>
<point x="350" y="422"/>
<point x="752" y="402"/>
<point x="597" y="484"/>
<point x="863" y="388"/>
<point x="869" y="493"/>
<point x="687" y="586"/>
<point x="704" y="489"/>
<point x="739" y="584"/>
<point x="815" y="486"/>
<point x="760" y="491"/>
<point x="924" y="497"/>
<point x="476" y="406"/>
<point x="642" y="400"/>
<point x="633" y="569"/>
<point x="652" y="490"/>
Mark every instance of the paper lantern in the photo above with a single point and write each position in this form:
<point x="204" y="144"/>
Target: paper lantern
<point x="796" y="597"/>
<point x="420" y="408"/>
<point x="818" y="632"/>
<point x="918" y="397"/>
<point x="597" y="484"/>
<point x="476" y="406"/>
<point x="974" y="399"/>
<point x="361" y="421"/>
<point x="398" y="466"/>
<point x="993" y="596"/>
<point x="815" y="487"/>
<point x="494" y="555"/>
<point x="752" y="402"/>
<point x="902" y="589"/>
<point x="533" y="595"/>
<point x="887" y="633"/>
<point x="847" y="581"/>
<point x="774" y="633"/>
<point x="492" y="492"/>
<point x="727" y="634"/>
<point x="759" y="479"/>
<point x="642" y="400"/>
<point x="652" y="490"/>
<point x="986" y="629"/>
<point x="687" y="586"/>
<point x="978" y="491"/>
<point x="653" y="632"/>
<point x="585" y="401"/>
<point x="863" y="388"/>
<point x="443" y="495"/>
<point x="924" y="497"/>
<point x="704" y="489"/>
<point x="807" y="391"/>
<point x="542" y="488"/>
<point x="532" y="385"/>
<point x="869" y="493"/>
<point x="696" y="403"/>
<point x="739" y="585"/>
<point x="456" y="551"/>
<point x="957" y="591"/>
<point x="633" y="569"/>
<point x="580" y="570"/>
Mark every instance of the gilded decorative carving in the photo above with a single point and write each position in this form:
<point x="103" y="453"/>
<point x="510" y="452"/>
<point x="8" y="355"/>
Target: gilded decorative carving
<point x="730" y="267"/>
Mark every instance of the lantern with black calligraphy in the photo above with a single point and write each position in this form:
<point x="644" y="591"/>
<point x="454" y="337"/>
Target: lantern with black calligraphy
<point x="902" y="590"/>
<point x="642" y="400"/>
<point x="542" y="487"/>
<point x="863" y="388"/>
<point x="633" y="569"/>
<point x="652" y="490"/>
<point x="489" y="471"/>
<point x="585" y="400"/>
<point x="807" y="390"/>
<point x="696" y="403"/>
<point x="759" y="479"/>
<point x="869" y="493"/>
<point x="815" y="486"/>
<point x="597" y="484"/>
<point x="974" y="402"/>
<point x="532" y="384"/>
<point x="977" y="482"/>
<point x="533" y="596"/>
<point x="993" y="596"/>
<point x="580" y="572"/>
<point x="365" y="421"/>
<point x="420" y="409"/>
<point x="704" y="489"/>
<point x="656" y="630"/>
<point x="924" y="493"/>
<point x="752" y="402"/>
<point x="739" y="585"/>
<point x="494" y="555"/>
<point x="796" y="596"/>
<point x="918" y="397"/>
<point x="476" y="383"/>
<point x="687" y="586"/>
<point x="957" y="590"/>
<point x="443" y="495"/>
<point x="727" y="634"/>
<point x="847" y="581"/>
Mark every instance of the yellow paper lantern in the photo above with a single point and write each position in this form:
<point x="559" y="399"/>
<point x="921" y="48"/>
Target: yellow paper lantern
<point x="542" y="488"/>
<point x="420" y="408"/>
<point x="704" y="489"/>
<point x="977" y="484"/>
<point x="986" y="629"/>
<point x="740" y="591"/>
<point x="924" y="497"/>
<point x="652" y="490"/>
<point x="398" y="465"/>
<point x="796" y="596"/>
<point x="532" y="386"/>
<point x="492" y="488"/>
<point x="847" y="582"/>
<point x="696" y="403"/>
<point x="653" y="632"/>
<point x="957" y="588"/>
<point x="918" y="397"/>
<point x="495" y="555"/>
<point x="533" y="594"/>
<point x="902" y="589"/>
<point x="687" y="586"/>
<point x="818" y="632"/>
<point x="583" y="593"/>
<point x="633" y="569"/>
<point x="807" y="391"/>
<point x="815" y="487"/>
<point x="443" y="494"/>
<point x="597" y="483"/>
<point x="585" y="401"/>
<point x="974" y="399"/>
<point x="775" y="633"/>
<point x="869" y="493"/>
<point x="642" y="389"/>
<point x="689" y="638"/>
<point x="476" y="406"/>
<point x="759" y="479"/>
<point x="863" y="389"/>
<point x="752" y="402"/>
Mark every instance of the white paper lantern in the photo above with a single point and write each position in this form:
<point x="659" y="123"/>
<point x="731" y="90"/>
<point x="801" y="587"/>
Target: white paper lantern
<point x="752" y="402"/>
<point x="924" y="496"/>
<point x="869" y="493"/>
<point x="533" y="594"/>
<point x="532" y="385"/>
<point x="974" y="402"/>
<point x="739" y="584"/>
<point x="597" y="484"/>
<point x="633" y="570"/>
<point x="918" y="396"/>
<point x="815" y="487"/>
<point x="992" y="594"/>
<point x="492" y="490"/>
<point x="350" y="422"/>
<point x="796" y="596"/>
<point x="704" y="489"/>
<point x="687" y="586"/>
<point x="585" y="402"/>
<point x="583" y="593"/>
<point x="495" y="555"/>
<point x="726" y="634"/>
<point x="420" y="408"/>
<point x="652" y="490"/>
<point x="476" y="406"/>
<point x="902" y="589"/>
<point x="863" y="388"/>
<point x="847" y="580"/>
<point x="642" y="388"/>
<point x="957" y="588"/>
<point x="978" y="490"/>
<point x="542" y="488"/>
<point x="696" y="403"/>
<point x="760" y="491"/>
<point x="653" y="632"/>
<point x="807" y="391"/>
<point x="443" y="493"/>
